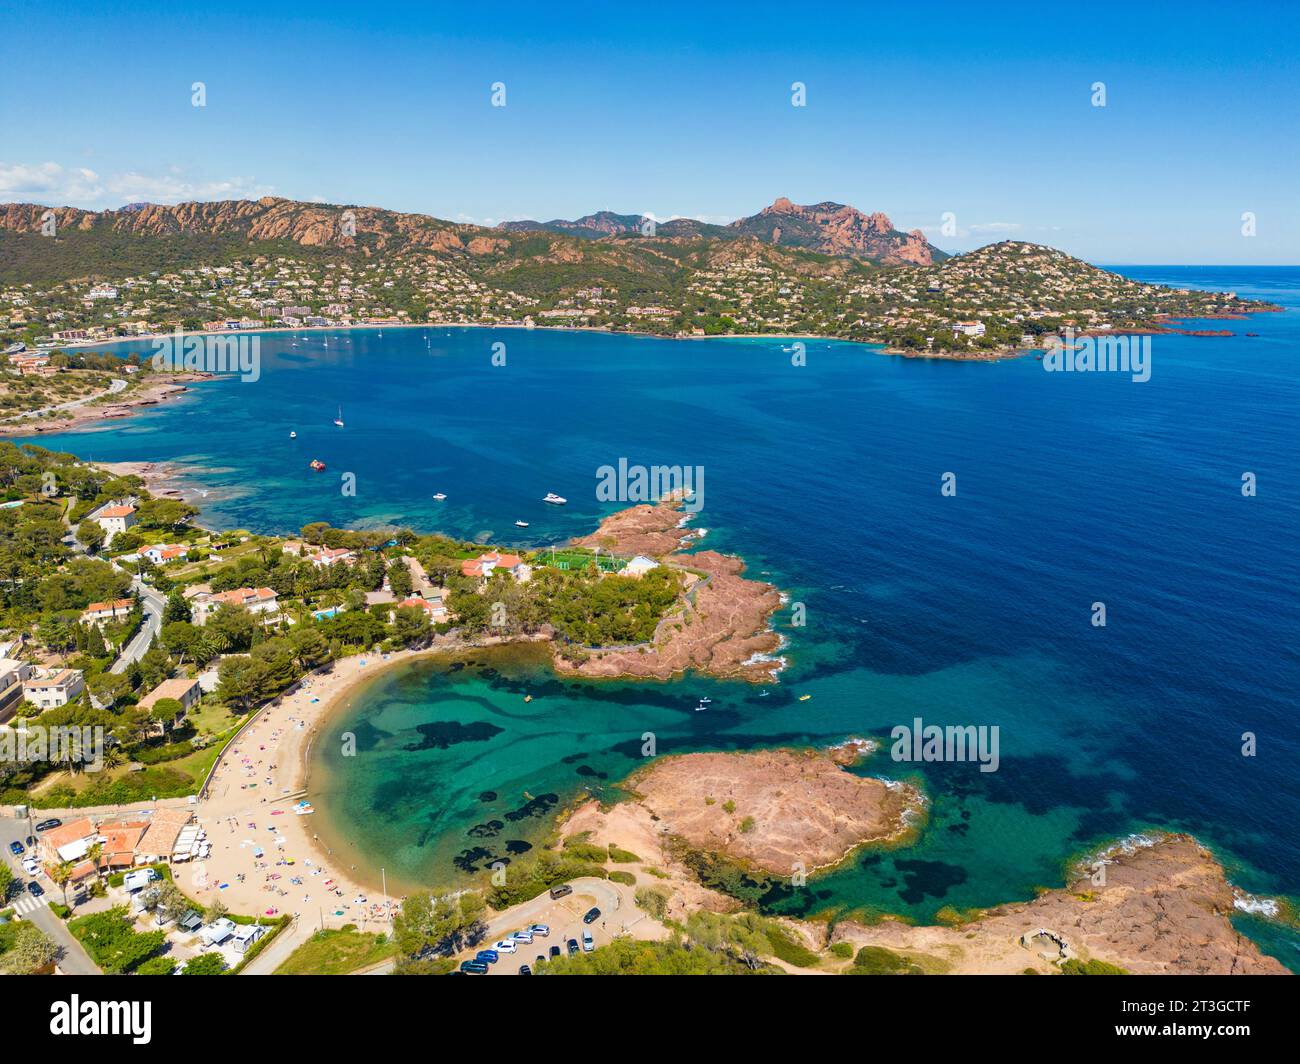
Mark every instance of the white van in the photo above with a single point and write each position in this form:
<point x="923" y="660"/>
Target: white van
<point x="141" y="877"/>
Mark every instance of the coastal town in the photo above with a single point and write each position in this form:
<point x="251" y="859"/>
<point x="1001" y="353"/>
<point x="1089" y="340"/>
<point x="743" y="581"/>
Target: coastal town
<point x="194" y="666"/>
<point x="207" y="661"/>
<point x="305" y="266"/>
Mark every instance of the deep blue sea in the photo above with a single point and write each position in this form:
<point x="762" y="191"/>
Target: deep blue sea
<point x="973" y="609"/>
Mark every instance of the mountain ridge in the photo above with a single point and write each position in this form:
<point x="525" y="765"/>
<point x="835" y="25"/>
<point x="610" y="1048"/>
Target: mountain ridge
<point x="829" y="228"/>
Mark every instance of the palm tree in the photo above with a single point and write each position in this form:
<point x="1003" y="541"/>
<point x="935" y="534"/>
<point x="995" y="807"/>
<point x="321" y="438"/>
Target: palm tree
<point x="62" y="875"/>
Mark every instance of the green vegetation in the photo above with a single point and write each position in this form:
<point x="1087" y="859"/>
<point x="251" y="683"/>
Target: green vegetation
<point x="338" y="952"/>
<point x="429" y="928"/>
<point x="626" y="956"/>
<point x="619" y="876"/>
<point x="653" y="900"/>
<point x="876" y="960"/>
<point x="206" y="964"/>
<point x="1074" y="966"/>
<point x="24" y="948"/>
<point x="112" y="942"/>
<point x="528" y="876"/>
<point x="749" y="937"/>
<point x="842" y="950"/>
<point x="622" y="856"/>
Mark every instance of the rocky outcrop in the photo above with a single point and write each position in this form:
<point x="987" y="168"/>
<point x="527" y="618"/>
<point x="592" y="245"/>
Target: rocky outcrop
<point x="1163" y="908"/>
<point x="269" y="218"/>
<point x="837" y="229"/>
<point x="781" y="811"/>
<point x="722" y="627"/>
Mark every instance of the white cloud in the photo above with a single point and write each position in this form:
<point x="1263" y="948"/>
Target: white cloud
<point x="995" y="227"/>
<point x="54" y="185"/>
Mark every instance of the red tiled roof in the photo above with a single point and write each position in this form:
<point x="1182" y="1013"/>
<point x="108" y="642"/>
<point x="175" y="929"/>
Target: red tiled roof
<point x="114" y="606"/>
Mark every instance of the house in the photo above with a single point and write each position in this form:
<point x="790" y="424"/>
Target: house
<point x="254" y="599"/>
<point x="158" y="843"/>
<point x="56" y="688"/>
<point x="116" y="518"/>
<point x="968" y="328"/>
<point x="162" y="553"/>
<point x="97" y="613"/>
<point x="433" y="607"/>
<point x="186" y="691"/>
<point x="12" y="675"/>
<point x="117" y="843"/>
<point x="639" y="566"/>
<point x="486" y="564"/>
<point x="328" y="556"/>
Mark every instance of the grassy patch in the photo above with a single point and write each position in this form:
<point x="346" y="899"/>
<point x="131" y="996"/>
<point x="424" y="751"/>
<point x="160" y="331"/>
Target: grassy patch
<point x="337" y="952"/>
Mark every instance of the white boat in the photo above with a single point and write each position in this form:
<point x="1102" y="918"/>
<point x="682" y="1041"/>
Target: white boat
<point x="701" y="707"/>
<point x="339" y="420"/>
<point x="521" y="524"/>
<point x="705" y="701"/>
<point x="554" y="500"/>
<point x="440" y="496"/>
<point x="293" y="435"/>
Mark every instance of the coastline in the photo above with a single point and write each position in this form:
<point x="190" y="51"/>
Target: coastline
<point x="245" y="792"/>
<point x="175" y="388"/>
<point x="149" y="394"/>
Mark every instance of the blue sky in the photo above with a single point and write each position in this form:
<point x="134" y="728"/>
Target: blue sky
<point x="667" y="109"/>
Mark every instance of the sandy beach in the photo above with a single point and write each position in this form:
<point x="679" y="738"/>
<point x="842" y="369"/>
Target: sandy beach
<point x="266" y="859"/>
<point x="265" y="854"/>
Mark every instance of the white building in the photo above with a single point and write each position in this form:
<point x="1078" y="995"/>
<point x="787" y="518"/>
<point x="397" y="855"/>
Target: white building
<point x="116" y="518"/>
<point x="56" y="688"/>
<point x="260" y="600"/>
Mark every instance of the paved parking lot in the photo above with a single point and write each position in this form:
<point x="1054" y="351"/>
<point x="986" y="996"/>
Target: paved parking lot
<point x="564" y="917"/>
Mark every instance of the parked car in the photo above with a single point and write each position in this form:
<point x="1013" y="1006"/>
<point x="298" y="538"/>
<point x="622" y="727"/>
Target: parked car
<point x="506" y="945"/>
<point x="591" y="915"/>
<point x="525" y="970"/>
<point x="31" y="867"/>
<point x="561" y="891"/>
<point x="573" y="946"/>
<point x="46" y="825"/>
<point x="523" y="936"/>
<point x="16" y="848"/>
<point x="473" y="967"/>
<point x="555" y="952"/>
<point x="540" y="929"/>
<point x="487" y="956"/>
<point x="588" y="944"/>
<point x="35" y="889"/>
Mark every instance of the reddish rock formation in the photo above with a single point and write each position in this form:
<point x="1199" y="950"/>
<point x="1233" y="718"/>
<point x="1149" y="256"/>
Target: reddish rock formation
<point x="837" y="229"/>
<point x="1163" y="909"/>
<point x="722" y="628"/>
<point x="781" y="811"/>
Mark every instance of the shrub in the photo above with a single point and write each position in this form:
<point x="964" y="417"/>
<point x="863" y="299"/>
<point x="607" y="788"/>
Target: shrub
<point x="1074" y="966"/>
<point x="843" y="950"/>
<point x="626" y="878"/>
<point x="876" y="960"/>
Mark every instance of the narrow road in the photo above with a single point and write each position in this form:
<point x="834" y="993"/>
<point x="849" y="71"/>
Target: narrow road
<point x="149" y="627"/>
<point x="74" y="959"/>
<point x="115" y="386"/>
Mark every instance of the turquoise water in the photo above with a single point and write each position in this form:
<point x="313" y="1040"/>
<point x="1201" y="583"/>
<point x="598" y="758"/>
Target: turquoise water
<point x="967" y="610"/>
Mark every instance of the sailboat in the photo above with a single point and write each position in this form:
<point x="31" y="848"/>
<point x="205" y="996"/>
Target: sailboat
<point x="339" y="420"/>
